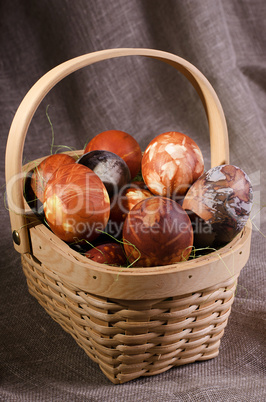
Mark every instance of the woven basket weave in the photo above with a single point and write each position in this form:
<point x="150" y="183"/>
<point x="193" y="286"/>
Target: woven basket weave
<point x="133" y="322"/>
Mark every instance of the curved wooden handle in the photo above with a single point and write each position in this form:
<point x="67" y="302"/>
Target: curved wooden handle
<point x="27" y="108"/>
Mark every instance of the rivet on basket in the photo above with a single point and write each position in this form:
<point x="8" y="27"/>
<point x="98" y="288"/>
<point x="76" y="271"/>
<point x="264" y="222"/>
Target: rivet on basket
<point x="16" y="237"/>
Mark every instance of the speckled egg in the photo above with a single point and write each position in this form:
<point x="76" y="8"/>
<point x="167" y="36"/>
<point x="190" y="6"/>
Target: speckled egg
<point x="171" y="163"/>
<point x="219" y="204"/>
<point x="108" y="253"/>
<point x="76" y="203"/>
<point x="122" y="144"/>
<point x="157" y="231"/>
<point x="112" y="170"/>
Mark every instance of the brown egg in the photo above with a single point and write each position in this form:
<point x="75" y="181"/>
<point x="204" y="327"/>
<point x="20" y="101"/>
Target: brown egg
<point x="44" y="171"/>
<point x="157" y="231"/>
<point x="220" y="202"/>
<point x="126" y="200"/>
<point x="108" y="253"/>
<point x="76" y="203"/>
<point x="120" y="143"/>
<point x="171" y="163"/>
<point x="121" y="204"/>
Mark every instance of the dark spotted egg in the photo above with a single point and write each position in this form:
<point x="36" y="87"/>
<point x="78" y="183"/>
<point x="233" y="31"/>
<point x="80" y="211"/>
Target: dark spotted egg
<point x="219" y="204"/>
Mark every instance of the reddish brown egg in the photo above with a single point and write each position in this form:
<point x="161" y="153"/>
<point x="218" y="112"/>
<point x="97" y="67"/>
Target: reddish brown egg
<point x="220" y="202"/>
<point x="76" y="203"/>
<point x="126" y="200"/>
<point x="120" y="143"/>
<point x="157" y="231"/>
<point x="171" y="163"/>
<point x="44" y="171"/>
<point x="108" y="253"/>
<point x="121" y="204"/>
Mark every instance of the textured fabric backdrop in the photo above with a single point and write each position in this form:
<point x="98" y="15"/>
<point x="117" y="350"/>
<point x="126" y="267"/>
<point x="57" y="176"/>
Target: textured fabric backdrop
<point x="226" y="40"/>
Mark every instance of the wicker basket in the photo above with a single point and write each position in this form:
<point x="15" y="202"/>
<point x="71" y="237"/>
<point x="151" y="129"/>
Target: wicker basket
<point x="138" y="321"/>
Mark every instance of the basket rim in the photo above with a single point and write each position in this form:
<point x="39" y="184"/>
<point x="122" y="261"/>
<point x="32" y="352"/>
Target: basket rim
<point x="138" y="283"/>
<point x="235" y="245"/>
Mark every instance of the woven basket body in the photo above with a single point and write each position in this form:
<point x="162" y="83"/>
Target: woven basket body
<point x="130" y="338"/>
<point x="138" y="321"/>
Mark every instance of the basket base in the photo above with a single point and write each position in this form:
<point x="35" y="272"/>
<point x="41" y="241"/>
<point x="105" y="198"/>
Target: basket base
<point x="133" y="338"/>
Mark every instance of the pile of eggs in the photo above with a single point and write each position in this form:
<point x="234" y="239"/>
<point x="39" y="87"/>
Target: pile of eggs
<point x="124" y="208"/>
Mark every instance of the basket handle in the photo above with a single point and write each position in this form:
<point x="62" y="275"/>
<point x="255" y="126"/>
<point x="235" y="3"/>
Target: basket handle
<point x="28" y="106"/>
